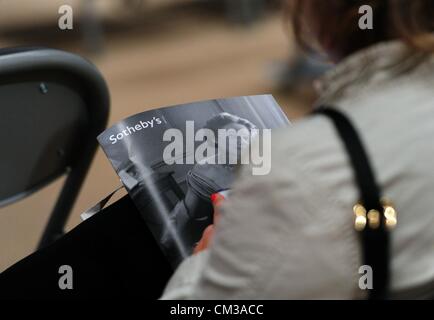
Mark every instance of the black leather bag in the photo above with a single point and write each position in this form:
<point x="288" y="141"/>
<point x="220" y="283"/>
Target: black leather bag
<point x="112" y="254"/>
<point x="373" y="227"/>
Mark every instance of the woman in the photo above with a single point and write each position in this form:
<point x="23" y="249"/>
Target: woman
<point x="291" y="234"/>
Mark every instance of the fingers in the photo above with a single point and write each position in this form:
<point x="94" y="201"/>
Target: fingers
<point x="208" y="235"/>
<point x="206" y="240"/>
<point x="217" y="200"/>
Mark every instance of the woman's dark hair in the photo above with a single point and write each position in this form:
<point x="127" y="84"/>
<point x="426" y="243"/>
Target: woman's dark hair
<point x="334" y="24"/>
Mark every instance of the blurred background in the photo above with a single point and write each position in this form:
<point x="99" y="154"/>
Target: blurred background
<point x="154" y="53"/>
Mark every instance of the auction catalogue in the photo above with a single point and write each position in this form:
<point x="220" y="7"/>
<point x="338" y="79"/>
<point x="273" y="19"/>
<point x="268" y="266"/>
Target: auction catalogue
<point x="171" y="161"/>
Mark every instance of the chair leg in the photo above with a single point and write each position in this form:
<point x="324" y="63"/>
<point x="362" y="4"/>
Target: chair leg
<point x="93" y="34"/>
<point x="244" y="11"/>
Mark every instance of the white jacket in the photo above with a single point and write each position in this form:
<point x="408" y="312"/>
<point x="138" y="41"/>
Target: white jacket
<point x="290" y="234"/>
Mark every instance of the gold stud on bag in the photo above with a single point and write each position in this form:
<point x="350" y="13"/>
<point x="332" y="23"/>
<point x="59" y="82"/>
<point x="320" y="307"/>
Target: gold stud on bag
<point x="390" y="214"/>
<point x="372" y="218"/>
<point x="360" y="219"/>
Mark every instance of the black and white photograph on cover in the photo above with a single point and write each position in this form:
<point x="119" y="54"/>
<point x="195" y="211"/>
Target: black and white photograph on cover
<point x="155" y="154"/>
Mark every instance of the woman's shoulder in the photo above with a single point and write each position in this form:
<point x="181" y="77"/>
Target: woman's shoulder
<point x="306" y="157"/>
<point x="309" y="158"/>
<point x="308" y="138"/>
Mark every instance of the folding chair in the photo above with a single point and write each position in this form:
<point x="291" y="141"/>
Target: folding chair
<point x="53" y="104"/>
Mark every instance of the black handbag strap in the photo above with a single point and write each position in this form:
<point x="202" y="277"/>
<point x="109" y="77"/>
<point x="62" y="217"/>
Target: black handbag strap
<point x="375" y="241"/>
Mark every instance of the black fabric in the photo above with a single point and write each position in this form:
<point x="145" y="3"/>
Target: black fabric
<point x="375" y="242"/>
<point x="112" y="254"/>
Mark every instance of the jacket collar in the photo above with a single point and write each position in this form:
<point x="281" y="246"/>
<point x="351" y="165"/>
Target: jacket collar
<point x="369" y="67"/>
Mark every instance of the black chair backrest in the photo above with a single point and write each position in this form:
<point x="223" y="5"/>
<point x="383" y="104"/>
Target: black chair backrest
<point x="53" y="104"/>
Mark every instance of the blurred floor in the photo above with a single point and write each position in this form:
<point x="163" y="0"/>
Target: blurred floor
<point x="170" y="56"/>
